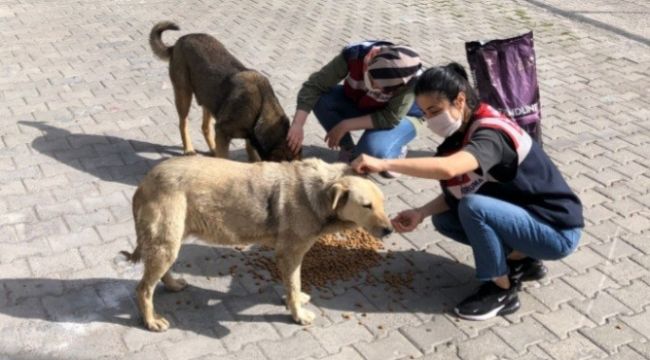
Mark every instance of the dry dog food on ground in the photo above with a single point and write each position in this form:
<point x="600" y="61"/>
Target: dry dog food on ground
<point x="339" y="257"/>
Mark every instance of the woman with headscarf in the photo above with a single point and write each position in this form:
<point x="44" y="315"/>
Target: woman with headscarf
<point x="376" y="96"/>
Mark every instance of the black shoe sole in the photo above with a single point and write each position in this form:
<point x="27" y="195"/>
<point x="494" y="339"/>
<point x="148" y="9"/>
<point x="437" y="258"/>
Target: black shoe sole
<point x="509" y="308"/>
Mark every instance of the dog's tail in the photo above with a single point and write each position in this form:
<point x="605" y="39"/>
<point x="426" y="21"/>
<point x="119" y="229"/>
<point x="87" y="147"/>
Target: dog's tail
<point x="133" y="257"/>
<point x="136" y="255"/>
<point x="159" y="48"/>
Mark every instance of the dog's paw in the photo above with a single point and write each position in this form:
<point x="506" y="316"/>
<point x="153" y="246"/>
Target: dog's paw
<point x="158" y="324"/>
<point x="304" y="317"/>
<point x="189" y="152"/>
<point x="176" y="285"/>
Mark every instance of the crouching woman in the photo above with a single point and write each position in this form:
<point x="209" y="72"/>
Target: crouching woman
<point x="501" y="193"/>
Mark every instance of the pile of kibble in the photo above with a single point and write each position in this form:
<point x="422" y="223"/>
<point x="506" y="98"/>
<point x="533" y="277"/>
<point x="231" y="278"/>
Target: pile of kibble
<point x="337" y="257"/>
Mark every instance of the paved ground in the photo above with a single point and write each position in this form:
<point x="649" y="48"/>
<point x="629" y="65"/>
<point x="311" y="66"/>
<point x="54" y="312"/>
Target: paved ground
<point x="86" y="110"/>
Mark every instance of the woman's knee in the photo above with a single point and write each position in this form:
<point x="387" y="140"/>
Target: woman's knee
<point x="472" y="205"/>
<point x="327" y="103"/>
<point x="321" y="107"/>
<point x="572" y="238"/>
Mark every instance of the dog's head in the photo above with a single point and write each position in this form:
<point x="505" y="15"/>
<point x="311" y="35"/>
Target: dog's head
<point x="360" y="201"/>
<point x="281" y="151"/>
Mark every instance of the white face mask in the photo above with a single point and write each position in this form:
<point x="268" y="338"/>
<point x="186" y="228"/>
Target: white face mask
<point x="368" y="83"/>
<point x="443" y="124"/>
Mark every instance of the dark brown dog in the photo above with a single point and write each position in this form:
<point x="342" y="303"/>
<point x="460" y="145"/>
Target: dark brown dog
<point x="241" y="100"/>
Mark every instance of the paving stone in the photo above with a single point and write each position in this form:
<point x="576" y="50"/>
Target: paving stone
<point x="347" y="353"/>
<point x="38" y="230"/>
<point x="556" y="269"/>
<point x="382" y="322"/>
<point x="394" y="346"/>
<point x="583" y="259"/>
<point x="635" y="223"/>
<point x="111" y="232"/>
<point x="626" y="353"/>
<point x="445" y="353"/>
<point x="23" y="249"/>
<point x="611" y="335"/>
<point x="17" y="217"/>
<point x="137" y="338"/>
<point x="529" y="305"/>
<point x="148" y="352"/>
<point x="46" y="212"/>
<point x="615" y="249"/>
<point x="15" y="269"/>
<point x="639" y="322"/>
<point x="97" y="254"/>
<point x="249" y="352"/>
<point x="242" y="333"/>
<point x="80" y="222"/>
<point x="534" y="353"/>
<point x="301" y="345"/>
<point x="641" y="348"/>
<point x="63" y="242"/>
<point x="486" y="346"/>
<point x="520" y="336"/>
<point x="591" y="282"/>
<point x="575" y="347"/>
<point x="554" y="294"/>
<point x="67" y="261"/>
<point x="194" y="347"/>
<point x="601" y="307"/>
<point x="624" y="271"/>
<point x="563" y="321"/>
<point x="433" y="333"/>
<point x="342" y="334"/>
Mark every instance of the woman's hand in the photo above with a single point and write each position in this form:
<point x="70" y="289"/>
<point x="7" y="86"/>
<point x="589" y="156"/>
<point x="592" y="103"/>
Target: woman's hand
<point x="295" y="136"/>
<point x="334" y="136"/>
<point x="407" y="220"/>
<point x="365" y="164"/>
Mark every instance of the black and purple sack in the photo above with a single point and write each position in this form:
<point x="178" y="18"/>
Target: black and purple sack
<point x="505" y="74"/>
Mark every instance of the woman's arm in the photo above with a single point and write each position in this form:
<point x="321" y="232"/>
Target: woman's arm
<point x="334" y="136"/>
<point x="398" y="106"/>
<point x="434" y="207"/>
<point x="319" y="82"/>
<point x="440" y="168"/>
<point x="408" y="220"/>
<point x="386" y="118"/>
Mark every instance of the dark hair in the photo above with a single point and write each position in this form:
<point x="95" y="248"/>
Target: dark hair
<point x="448" y="80"/>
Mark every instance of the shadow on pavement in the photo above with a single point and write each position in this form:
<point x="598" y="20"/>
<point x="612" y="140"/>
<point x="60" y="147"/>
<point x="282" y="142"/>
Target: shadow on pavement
<point x="224" y="288"/>
<point x="115" y="159"/>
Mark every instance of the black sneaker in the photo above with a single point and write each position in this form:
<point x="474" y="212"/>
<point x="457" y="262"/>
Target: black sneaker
<point x="527" y="269"/>
<point x="489" y="301"/>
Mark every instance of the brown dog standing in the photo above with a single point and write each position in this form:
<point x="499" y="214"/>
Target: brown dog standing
<point x="241" y="100"/>
<point x="286" y="206"/>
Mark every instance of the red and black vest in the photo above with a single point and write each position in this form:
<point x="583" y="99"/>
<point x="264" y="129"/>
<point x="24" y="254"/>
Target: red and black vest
<point x="353" y="84"/>
<point x="537" y="184"/>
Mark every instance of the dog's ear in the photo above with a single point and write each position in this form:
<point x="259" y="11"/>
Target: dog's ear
<point x="339" y="195"/>
<point x="272" y="124"/>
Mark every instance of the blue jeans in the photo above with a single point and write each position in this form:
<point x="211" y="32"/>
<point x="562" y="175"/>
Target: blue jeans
<point x="494" y="228"/>
<point x="334" y="106"/>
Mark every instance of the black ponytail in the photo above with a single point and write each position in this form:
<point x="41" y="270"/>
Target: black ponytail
<point x="449" y="80"/>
